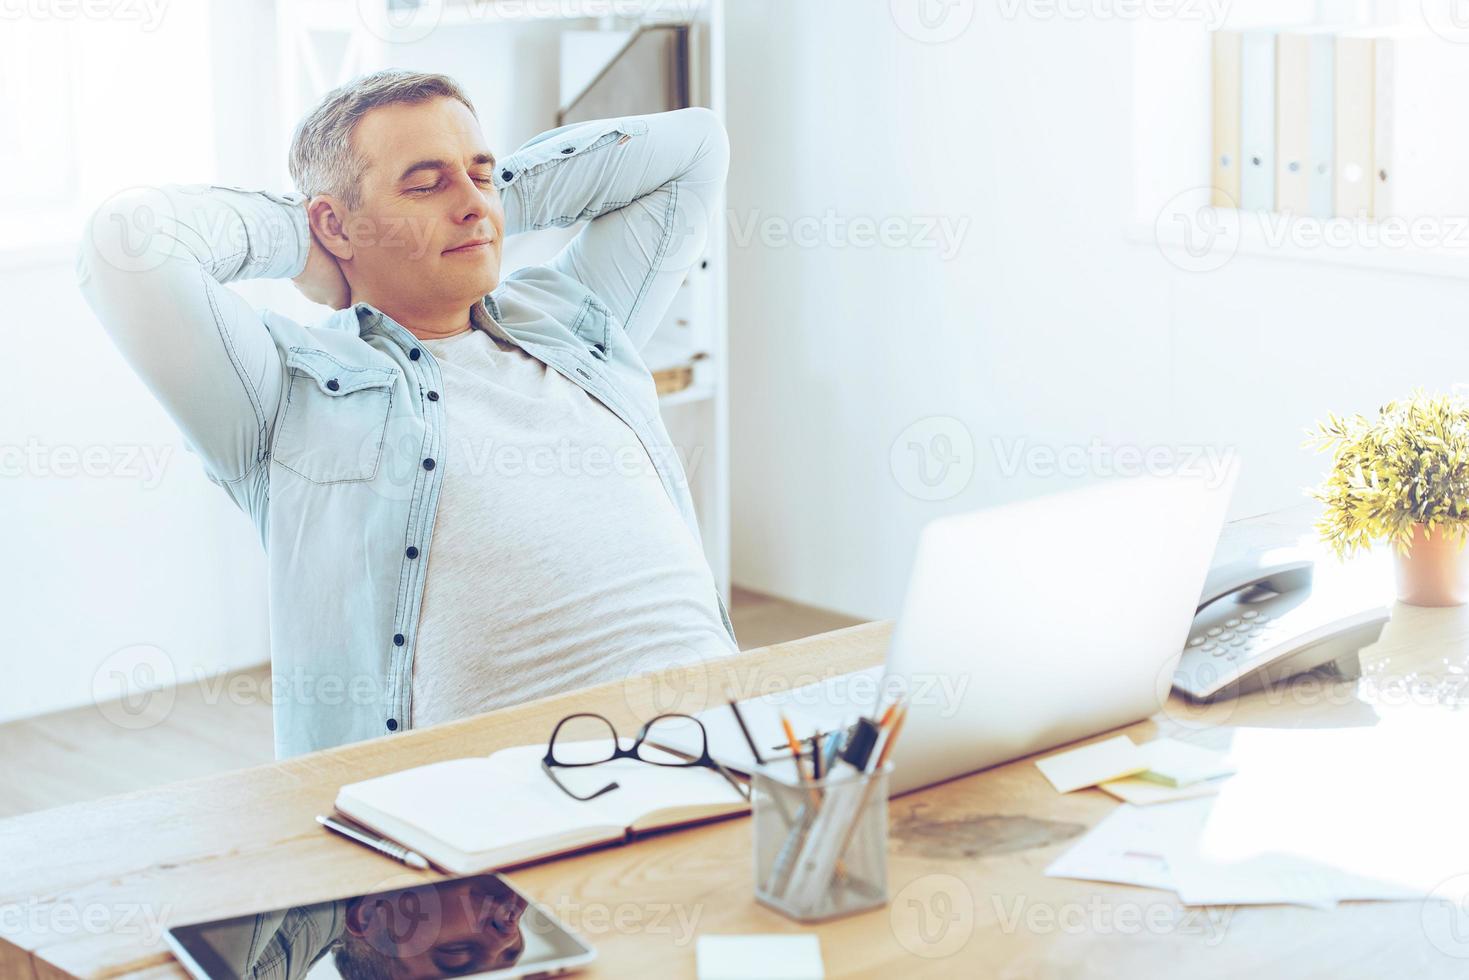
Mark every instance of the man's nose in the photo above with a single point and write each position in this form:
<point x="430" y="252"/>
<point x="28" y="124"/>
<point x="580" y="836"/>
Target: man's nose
<point x="471" y="204"/>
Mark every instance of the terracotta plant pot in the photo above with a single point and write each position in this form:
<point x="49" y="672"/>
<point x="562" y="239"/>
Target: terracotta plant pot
<point x="1435" y="572"/>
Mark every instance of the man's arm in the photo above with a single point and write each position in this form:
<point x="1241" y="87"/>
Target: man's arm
<point x="650" y="185"/>
<point x="151" y="265"/>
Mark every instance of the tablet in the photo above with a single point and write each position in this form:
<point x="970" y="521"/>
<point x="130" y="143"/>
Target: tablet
<point x="478" y="926"/>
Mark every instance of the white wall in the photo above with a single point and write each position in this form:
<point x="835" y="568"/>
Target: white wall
<point x="113" y="538"/>
<point x="1049" y="328"/>
<point x="120" y="556"/>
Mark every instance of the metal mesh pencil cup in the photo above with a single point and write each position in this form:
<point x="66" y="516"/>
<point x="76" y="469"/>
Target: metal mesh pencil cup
<point x="820" y="846"/>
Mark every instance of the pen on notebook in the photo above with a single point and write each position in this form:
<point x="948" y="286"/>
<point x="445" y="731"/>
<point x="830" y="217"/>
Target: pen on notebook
<point x="744" y="729"/>
<point x="382" y="845"/>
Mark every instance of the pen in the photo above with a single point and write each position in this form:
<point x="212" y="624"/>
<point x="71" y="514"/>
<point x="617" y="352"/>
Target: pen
<point x="744" y="730"/>
<point x="816" y="760"/>
<point x="382" y="845"/>
<point x="829" y="754"/>
<point x="882" y="758"/>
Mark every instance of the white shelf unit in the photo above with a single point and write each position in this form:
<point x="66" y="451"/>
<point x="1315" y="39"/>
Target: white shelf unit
<point x="505" y="53"/>
<point x="1172" y="144"/>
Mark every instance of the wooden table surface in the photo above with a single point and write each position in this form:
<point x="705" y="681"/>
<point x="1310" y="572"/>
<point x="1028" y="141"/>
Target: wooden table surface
<point x="85" y="889"/>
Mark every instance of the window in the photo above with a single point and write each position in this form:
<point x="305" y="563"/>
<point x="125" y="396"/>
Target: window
<point x="95" y="99"/>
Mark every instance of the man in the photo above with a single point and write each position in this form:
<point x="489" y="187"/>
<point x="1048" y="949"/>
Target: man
<point x="465" y="490"/>
<point x="454" y="928"/>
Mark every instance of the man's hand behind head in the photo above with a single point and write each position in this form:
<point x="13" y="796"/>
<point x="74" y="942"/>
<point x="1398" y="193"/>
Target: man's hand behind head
<point x="321" y="281"/>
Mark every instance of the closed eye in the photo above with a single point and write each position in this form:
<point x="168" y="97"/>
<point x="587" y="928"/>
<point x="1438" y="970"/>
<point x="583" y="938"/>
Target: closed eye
<point x="482" y="181"/>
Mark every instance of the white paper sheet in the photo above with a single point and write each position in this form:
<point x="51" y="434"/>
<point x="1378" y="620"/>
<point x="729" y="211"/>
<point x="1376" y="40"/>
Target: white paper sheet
<point x="1312" y="817"/>
<point x="776" y="957"/>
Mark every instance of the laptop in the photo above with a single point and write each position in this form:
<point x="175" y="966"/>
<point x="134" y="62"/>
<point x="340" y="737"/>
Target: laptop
<point x="1024" y="627"/>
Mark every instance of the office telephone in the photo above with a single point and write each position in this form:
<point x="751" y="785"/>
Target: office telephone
<point x="1259" y="623"/>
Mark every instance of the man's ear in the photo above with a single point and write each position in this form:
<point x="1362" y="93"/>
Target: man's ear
<point x="359" y="917"/>
<point x="329" y="220"/>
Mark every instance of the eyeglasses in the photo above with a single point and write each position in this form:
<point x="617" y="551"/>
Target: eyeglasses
<point x="586" y="739"/>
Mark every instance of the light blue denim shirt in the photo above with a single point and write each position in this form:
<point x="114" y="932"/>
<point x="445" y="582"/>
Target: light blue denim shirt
<point x="328" y="435"/>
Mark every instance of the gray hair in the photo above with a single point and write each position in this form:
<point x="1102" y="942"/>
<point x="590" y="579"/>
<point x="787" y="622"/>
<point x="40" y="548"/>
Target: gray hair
<point x="322" y="160"/>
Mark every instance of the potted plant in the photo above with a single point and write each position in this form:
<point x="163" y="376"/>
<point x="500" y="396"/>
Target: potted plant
<point x="1403" y="478"/>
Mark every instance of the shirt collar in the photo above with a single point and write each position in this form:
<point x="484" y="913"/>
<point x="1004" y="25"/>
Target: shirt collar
<point x="362" y="316"/>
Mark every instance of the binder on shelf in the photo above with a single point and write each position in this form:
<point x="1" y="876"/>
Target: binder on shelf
<point x="1304" y="110"/>
<point x="1356" y="70"/>
<point x="1225" y="168"/>
<point x="1321" y="83"/>
<point x="1257" y="120"/>
<point x="1384" y="121"/>
<point x="1420" y="145"/>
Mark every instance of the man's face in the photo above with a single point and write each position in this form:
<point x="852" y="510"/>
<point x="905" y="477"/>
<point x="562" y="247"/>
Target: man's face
<point x="462" y="927"/>
<point x="426" y="192"/>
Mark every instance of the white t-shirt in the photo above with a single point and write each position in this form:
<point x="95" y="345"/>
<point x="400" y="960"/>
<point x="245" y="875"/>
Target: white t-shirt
<point x="558" y="560"/>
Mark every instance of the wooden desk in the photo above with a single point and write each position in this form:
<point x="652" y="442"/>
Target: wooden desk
<point x="84" y="888"/>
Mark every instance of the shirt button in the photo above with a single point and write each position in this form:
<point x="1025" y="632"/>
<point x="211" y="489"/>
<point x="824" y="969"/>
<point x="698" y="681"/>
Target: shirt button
<point x="568" y="149"/>
<point x="433" y="396"/>
<point x="412" y="552"/>
<point x="507" y="174"/>
<point x="392" y="724"/>
<point x="333" y="385"/>
<point x="428" y="464"/>
<point x="397" y="639"/>
<point x="415" y="354"/>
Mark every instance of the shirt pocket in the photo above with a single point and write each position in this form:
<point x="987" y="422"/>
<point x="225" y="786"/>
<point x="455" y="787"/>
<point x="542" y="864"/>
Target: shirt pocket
<point x="593" y="325"/>
<point x="335" y="418"/>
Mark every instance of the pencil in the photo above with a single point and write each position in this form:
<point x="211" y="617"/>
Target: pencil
<point x="887" y="746"/>
<point x="795" y="744"/>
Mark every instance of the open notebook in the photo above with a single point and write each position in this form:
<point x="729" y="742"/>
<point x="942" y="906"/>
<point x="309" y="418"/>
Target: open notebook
<point x="479" y="814"/>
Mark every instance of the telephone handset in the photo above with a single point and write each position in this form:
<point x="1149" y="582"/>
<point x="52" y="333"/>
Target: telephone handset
<point x="1260" y="623"/>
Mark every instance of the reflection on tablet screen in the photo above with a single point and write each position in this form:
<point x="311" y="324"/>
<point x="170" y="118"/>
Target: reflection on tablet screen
<point x="465" y="927"/>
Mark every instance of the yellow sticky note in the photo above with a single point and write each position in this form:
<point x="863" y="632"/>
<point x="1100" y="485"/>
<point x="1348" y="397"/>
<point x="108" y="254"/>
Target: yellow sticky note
<point x="1144" y="792"/>
<point x="1175" y="763"/>
<point x="1089" y="765"/>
